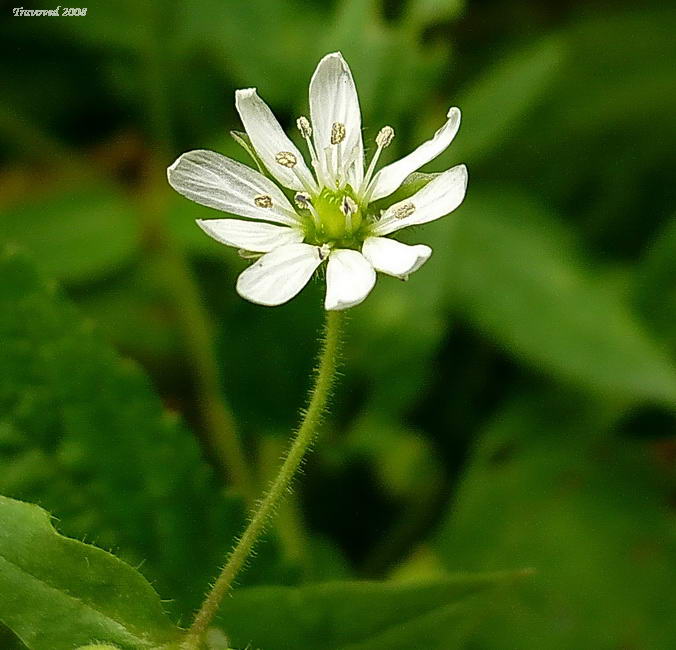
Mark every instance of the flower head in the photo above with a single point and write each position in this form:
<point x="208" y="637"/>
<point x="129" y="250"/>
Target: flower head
<point x="298" y="216"/>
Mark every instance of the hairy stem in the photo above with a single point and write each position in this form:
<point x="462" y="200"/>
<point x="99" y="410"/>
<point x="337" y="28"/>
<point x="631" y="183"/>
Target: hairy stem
<point x="267" y="506"/>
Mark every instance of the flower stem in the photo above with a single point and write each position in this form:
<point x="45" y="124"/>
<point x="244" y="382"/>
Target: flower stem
<point x="267" y="506"/>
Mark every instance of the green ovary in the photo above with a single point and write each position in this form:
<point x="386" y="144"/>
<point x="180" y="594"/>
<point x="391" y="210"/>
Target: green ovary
<point x="333" y="225"/>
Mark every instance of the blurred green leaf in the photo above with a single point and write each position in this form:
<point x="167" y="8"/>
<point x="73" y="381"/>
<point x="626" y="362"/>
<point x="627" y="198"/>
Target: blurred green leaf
<point x="503" y="95"/>
<point x="132" y="311"/>
<point x="58" y="593"/>
<point x="403" y="459"/>
<point x="394" y="66"/>
<point x="655" y="291"/>
<point x="75" y="234"/>
<point x="361" y="615"/>
<point x="276" y="63"/>
<point x="423" y="13"/>
<point x="82" y="433"/>
<point x="512" y="269"/>
<point x="546" y="485"/>
<point x="8" y="640"/>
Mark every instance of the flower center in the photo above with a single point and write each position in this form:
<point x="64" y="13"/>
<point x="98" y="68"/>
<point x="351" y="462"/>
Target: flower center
<point x="339" y="215"/>
<point x="333" y="217"/>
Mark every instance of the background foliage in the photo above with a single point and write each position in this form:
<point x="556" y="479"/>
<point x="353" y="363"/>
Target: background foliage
<point x="510" y="407"/>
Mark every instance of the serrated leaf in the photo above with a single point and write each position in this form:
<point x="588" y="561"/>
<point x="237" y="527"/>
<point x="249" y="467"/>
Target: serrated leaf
<point x="434" y="615"/>
<point x="57" y="593"/>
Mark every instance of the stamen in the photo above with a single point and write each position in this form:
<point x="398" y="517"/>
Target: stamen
<point x="348" y="207"/>
<point x="383" y="140"/>
<point x="385" y="137"/>
<point x="337" y="132"/>
<point x="286" y="159"/>
<point x="302" y="200"/>
<point x="329" y="164"/>
<point x="404" y="210"/>
<point x="304" y="127"/>
<point x="263" y="201"/>
<point x="351" y="160"/>
<point x="304" y="203"/>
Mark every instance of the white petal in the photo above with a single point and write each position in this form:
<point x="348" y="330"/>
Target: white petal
<point x="333" y="99"/>
<point x="269" y="139"/>
<point x="389" y="178"/>
<point x="439" y="197"/>
<point x="349" y="279"/>
<point x="218" y="182"/>
<point x="394" y="258"/>
<point x="250" y="235"/>
<point x="279" y="275"/>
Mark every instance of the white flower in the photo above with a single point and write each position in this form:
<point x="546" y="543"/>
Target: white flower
<point x="331" y="217"/>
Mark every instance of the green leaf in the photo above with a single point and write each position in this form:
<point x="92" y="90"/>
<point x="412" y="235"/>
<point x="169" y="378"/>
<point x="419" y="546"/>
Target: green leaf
<point x="503" y="95"/>
<point x="547" y="484"/>
<point x="513" y="270"/>
<point x="361" y="615"/>
<point x="57" y="593"/>
<point x="75" y="234"/>
<point x="83" y="433"/>
<point x="421" y="13"/>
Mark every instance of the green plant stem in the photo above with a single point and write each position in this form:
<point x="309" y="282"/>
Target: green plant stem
<point x="293" y="460"/>
<point x="220" y="433"/>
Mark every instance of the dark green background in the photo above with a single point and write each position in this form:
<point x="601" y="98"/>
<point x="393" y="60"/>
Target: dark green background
<point x="511" y="406"/>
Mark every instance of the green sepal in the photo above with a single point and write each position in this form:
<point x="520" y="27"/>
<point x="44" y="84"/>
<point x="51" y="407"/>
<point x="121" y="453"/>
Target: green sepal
<point x="244" y="141"/>
<point x="412" y="184"/>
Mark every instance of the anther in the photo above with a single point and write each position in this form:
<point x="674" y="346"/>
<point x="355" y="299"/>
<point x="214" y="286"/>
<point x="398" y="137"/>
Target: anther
<point x="348" y="207"/>
<point x="286" y="159"/>
<point x="404" y="210"/>
<point x="302" y="199"/>
<point x="385" y="136"/>
<point x="337" y="133"/>
<point x="263" y="201"/>
<point x="304" y="127"/>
